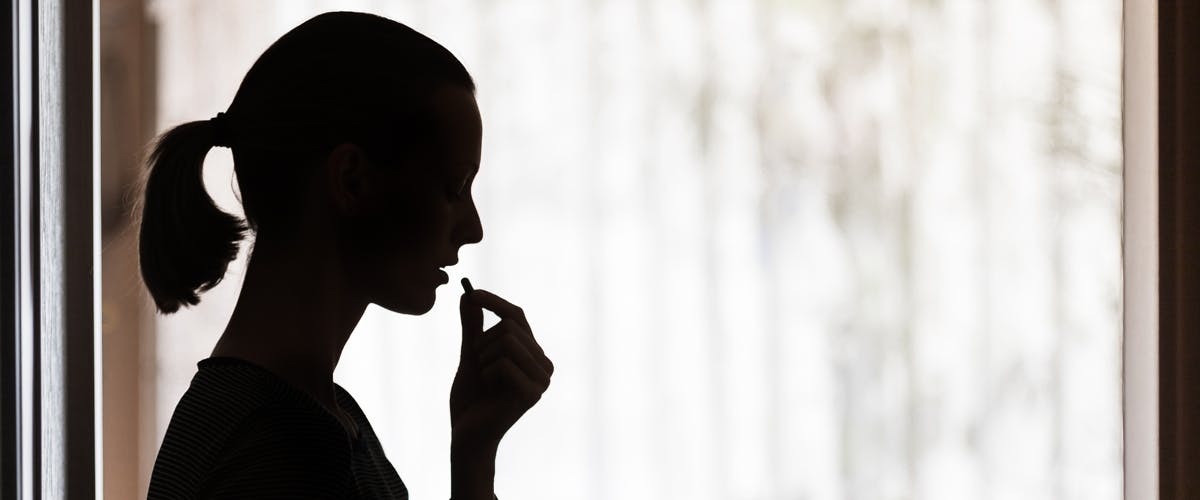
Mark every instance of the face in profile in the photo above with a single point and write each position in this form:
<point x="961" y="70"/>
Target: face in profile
<point x="421" y="214"/>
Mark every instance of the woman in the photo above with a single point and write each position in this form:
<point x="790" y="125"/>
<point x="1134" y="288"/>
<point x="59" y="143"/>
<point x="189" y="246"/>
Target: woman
<point x="355" y="142"/>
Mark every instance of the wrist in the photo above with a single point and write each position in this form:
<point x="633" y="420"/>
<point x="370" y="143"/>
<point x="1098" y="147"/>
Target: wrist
<point x="472" y="471"/>
<point x="469" y="447"/>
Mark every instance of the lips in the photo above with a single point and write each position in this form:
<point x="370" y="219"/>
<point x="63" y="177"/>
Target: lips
<point x="442" y="275"/>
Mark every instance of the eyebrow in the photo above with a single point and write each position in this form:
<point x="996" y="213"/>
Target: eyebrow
<point x="465" y="179"/>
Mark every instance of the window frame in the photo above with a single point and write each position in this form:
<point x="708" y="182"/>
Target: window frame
<point x="1179" y="242"/>
<point x="1139" y="237"/>
<point x="49" y="314"/>
<point x="50" y="274"/>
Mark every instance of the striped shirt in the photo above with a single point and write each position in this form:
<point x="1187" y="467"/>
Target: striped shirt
<point x="242" y="432"/>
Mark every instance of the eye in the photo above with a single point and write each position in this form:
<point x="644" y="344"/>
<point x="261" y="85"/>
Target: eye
<point x="457" y="192"/>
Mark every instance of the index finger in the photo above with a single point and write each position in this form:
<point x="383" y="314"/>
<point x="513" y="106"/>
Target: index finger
<point x="501" y="307"/>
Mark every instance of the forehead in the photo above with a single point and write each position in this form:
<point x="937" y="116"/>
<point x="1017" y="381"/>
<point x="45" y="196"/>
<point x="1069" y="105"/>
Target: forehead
<point x="459" y="127"/>
<point x="456" y="113"/>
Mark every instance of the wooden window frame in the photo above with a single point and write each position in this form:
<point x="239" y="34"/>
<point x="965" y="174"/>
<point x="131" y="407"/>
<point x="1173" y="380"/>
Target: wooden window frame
<point x="1179" y="246"/>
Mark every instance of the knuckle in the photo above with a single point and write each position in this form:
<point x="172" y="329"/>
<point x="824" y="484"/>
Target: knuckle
<point x="530" y="398"/>
<point x="505" y="327"/>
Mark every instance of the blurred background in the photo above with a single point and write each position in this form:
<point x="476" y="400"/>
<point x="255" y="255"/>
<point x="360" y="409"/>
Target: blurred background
<point x="803" y="249"/>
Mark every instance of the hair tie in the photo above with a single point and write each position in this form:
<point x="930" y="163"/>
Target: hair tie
<point x="222" y="136"/>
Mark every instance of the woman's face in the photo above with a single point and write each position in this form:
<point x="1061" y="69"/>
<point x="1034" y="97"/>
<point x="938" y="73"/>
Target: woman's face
<point x="424" y="213"/>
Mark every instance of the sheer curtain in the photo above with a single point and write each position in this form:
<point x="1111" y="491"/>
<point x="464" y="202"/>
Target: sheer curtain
<point x="777" y="249"/>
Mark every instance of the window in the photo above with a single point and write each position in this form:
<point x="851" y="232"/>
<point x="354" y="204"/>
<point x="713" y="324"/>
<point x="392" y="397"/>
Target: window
<point x="841" y="249"/>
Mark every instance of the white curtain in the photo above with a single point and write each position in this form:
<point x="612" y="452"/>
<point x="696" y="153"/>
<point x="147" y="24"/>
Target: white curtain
<point x="824" y="249"/>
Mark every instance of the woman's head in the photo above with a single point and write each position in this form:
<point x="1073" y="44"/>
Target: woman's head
<point x="350" y="125"/>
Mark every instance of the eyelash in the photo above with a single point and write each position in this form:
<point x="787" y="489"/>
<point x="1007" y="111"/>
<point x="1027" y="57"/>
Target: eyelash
<point x="454" y="195"/>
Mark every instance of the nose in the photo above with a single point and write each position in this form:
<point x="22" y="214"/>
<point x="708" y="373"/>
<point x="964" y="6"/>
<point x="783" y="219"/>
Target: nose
<point x="471" y="228"/>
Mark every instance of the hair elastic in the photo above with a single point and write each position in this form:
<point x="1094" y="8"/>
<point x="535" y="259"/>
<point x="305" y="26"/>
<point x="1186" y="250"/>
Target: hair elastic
<point x="222" y="137"/>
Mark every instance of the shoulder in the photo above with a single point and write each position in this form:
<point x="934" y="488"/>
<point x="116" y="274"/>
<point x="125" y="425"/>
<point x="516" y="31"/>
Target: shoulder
<point x="222" y="397"/>
<point x="239" y="431"/>
<point x="346" y="400"/>
<point x="283" y="451"/>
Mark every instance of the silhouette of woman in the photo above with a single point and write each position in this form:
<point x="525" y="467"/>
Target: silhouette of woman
<point x="355" y="141"/>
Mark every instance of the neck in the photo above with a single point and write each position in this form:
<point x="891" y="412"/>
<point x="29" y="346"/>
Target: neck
<point x="294" y="315"/>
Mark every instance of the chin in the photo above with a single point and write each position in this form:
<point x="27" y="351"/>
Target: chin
<point x="414" y="304"/>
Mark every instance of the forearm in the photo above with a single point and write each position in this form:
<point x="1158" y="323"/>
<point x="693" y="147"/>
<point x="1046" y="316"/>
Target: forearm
<point x="472" y="472"/>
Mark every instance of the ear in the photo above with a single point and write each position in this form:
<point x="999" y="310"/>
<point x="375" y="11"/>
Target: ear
<point x="348" y="172"/>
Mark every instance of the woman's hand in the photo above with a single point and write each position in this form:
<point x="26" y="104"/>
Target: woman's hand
<point x="501" y="372"/>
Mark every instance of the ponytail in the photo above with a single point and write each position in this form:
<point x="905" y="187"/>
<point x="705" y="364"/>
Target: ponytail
<point x="186" y="242"/>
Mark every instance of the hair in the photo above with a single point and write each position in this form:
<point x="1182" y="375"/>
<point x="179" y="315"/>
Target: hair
<point x="340" y="77"/>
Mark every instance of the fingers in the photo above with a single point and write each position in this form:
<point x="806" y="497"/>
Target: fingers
<point x="502" y="308"/>
<point x="522" y="335"/>
<point x="504" y="373"/>
<point x="507" y="310"/>
<point x="506" y="340"/>
<point x="507" y="353"/>
<point x="472" y="323"/>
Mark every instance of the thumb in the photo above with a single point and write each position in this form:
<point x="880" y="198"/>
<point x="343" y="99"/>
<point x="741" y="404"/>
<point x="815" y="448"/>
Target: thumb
<point x="472" y="324"/>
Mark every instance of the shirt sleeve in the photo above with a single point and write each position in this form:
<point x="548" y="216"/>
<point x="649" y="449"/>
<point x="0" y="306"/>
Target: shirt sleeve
<point x="284" y="453"/>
